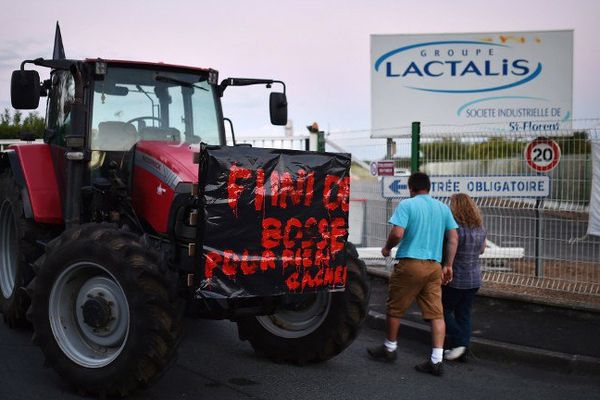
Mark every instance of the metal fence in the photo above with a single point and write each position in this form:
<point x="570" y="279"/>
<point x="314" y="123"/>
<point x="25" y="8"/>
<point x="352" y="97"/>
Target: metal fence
<point x="534" y="243"/>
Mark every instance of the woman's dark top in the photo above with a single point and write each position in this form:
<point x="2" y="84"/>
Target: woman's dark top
<point x="467" y="267"/>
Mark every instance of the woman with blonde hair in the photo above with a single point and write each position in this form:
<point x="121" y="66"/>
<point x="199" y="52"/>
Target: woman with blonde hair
<point x="458" y="294"/>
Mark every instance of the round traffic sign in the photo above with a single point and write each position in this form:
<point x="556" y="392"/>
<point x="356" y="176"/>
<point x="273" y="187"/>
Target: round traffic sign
<point x="542" y="155"/>
<point x="373" y="168"/>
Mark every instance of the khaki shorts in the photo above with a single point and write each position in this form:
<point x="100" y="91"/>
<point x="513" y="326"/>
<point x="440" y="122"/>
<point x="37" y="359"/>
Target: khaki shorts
<point x="416" y="279"/>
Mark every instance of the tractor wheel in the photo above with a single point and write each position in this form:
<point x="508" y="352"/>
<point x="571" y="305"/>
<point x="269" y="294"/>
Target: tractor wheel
<point x="17" y="251"/>
<point x="314" y="327"/>
<point x="105" y="316"/>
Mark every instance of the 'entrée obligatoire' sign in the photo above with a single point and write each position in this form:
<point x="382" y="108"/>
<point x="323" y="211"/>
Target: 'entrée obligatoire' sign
<point x="537" y="186"/>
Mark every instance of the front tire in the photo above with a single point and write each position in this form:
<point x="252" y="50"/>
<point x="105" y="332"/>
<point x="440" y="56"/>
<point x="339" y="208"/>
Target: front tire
<point x="314" y="327"/>
<point x="104" y="314"/>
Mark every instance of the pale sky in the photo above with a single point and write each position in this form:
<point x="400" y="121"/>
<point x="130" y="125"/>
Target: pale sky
<point x="319" y="48"/>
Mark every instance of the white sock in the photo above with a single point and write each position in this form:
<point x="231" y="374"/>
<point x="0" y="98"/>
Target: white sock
<point x="389" y="345"/>
<point x="436" y="355"/>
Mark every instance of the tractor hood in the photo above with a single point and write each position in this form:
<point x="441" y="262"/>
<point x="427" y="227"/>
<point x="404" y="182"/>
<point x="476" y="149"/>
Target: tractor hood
<point x="168" y="160"/>
<point x="159" y="167"/>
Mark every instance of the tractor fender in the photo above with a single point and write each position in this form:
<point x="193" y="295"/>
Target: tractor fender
<point x="33" y="170"/>
<point x="10" y="161"/>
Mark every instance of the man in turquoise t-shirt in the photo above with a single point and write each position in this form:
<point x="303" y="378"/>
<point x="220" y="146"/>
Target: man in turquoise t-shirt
<point x="421" y="224"/>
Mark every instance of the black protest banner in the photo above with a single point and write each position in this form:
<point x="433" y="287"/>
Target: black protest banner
<point x="275" y="221"/>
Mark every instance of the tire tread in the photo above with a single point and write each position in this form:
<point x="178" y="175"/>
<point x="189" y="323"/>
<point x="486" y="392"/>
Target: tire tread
<point x="155" y="302"/>
<point x="336" y="333"/>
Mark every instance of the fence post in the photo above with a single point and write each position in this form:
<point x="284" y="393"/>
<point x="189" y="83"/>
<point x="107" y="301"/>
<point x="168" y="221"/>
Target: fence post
<point x="364" y="225"/>
<point x="316" y="141"/>
<point x="389" y="149"/>
<point x="539" y="262"/>
<point x="316" y="138"/>
<point x="415" y="147"/>
<point x="389" y="154"/>
<point x="313" y="142"/>
<point x="321" y="142"/>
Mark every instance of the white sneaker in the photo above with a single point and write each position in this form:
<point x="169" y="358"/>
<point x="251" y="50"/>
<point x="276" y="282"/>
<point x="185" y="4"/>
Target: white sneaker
<point x="455" y="353"/>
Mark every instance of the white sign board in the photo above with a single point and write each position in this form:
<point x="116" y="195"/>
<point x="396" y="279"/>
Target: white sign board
<point x="385" y="168"/>
<point x="518" y="81"/>
<point x="356" y="221"/>
<point x="475" y="186"/>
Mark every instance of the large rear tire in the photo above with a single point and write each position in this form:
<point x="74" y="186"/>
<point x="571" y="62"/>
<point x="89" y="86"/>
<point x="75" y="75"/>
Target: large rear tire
<point x="17" y="251"/>
<point x="105" y="316"/>
<point x="315" y="327"/>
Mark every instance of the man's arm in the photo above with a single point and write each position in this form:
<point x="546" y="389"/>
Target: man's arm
<point x="449" y="253"/>
<point x="393" y="239"/>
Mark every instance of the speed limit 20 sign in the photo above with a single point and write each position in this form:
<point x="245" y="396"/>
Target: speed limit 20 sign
<point x="542" y="154"/>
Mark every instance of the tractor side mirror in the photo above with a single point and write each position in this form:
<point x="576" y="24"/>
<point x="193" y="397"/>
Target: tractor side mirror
<point x="278" y="108"/>
<point x="25" y="90"/>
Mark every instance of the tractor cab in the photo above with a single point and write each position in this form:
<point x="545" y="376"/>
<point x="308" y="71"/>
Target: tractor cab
<point x="128" y="103"/>
<point x="167" y="109"/>
<point x="102" y="115"/>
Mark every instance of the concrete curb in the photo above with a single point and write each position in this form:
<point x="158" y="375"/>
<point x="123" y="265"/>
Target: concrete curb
<point x="502" y="352"/>
<point x="495" y="350"/>
<point x="594" y="308"/>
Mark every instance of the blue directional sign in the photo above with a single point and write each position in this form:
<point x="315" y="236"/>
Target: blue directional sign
<point x="475" y="186"/>
<point x="397" y="186"/>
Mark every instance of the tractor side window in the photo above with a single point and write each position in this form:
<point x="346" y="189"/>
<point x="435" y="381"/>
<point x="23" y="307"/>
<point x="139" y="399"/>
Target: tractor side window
<point x="205" y="118"/>
<point x="59" y="107"/>
<point x="197" y="123"/>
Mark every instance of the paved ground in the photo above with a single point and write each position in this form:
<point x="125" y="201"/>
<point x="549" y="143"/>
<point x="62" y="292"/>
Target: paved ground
<point x="214" y="364"/>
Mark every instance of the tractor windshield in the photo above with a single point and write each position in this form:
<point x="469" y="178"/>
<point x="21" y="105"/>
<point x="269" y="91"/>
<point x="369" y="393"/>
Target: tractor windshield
<point x="134" y="104"/>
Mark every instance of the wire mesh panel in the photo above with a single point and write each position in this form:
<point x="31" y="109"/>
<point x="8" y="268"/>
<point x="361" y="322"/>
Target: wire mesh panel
<point x="5" y="143"/>
<point x="533" y="242"/>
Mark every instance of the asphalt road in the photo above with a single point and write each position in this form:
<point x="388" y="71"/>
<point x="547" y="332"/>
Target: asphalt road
<point x="214" y="364"/>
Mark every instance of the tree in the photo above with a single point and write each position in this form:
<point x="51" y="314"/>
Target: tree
<point x="451" y="149"/>
<point x="12" y="125"/>
<point x="5" y="118"/>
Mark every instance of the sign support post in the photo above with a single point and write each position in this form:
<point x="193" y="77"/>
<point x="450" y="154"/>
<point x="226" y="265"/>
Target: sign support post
<point x="539" y="262"/>
<point x="389" y="155"/>
<point x="415" y="147"/>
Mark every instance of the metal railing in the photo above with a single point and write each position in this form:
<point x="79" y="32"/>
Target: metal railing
<point x="4" y="143"/>
<point x="277" y="142"/>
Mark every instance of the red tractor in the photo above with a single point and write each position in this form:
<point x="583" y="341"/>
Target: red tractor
<point x="134" y="212"/>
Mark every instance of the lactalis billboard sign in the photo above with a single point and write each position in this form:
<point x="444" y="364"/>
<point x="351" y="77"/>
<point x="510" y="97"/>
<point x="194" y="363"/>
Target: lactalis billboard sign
<point x="508" y="81"/>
